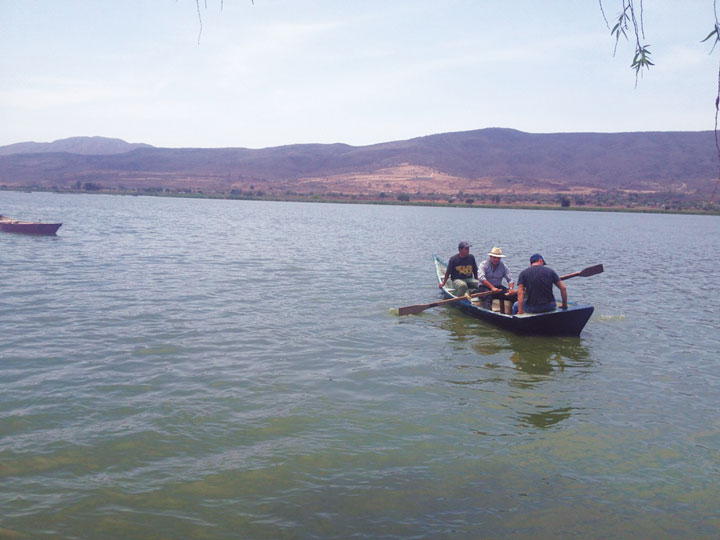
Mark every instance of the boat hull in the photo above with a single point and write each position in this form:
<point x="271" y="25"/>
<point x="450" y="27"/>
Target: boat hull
<point x="28" y="227"/>
<point x="561" y="322"/>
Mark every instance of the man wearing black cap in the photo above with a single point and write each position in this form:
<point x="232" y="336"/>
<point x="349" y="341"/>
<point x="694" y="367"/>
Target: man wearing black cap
<point x="463" y="270"/>
<point x="535" y="288"/>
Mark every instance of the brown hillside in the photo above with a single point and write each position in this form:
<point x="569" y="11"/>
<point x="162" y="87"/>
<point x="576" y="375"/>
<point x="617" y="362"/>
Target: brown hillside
<point x="489" y="161"/>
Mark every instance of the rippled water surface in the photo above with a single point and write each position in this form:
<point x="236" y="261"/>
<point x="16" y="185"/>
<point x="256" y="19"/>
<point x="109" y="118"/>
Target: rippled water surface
<point x="176" y="368"/>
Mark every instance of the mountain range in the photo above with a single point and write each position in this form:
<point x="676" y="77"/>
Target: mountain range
<point x="73" y="145"/>
<point x="480" y="162"/>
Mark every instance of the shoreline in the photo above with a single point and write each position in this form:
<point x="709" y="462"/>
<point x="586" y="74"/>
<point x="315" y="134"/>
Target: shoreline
<point x="317" y="198"/>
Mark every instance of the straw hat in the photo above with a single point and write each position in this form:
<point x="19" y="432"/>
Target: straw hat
<point x="496" y="252"/>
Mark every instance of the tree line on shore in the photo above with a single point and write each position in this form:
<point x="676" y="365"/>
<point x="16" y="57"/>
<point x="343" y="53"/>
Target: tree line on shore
<point x="611" y="199"/>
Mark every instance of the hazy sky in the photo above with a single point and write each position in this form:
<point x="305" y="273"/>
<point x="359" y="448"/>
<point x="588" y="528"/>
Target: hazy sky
<point x="352" y="71"/>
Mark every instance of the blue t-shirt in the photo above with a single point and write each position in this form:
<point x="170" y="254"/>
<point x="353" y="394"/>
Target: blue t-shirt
<point x="462" y="267"/>
<point x="538" y="282"/>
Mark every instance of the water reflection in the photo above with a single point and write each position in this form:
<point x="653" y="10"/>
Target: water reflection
<point x="465" y="331"/>
<point x="535" y="362"/>
<point x="536" y="355"/>
<point x="533" y="355"/>
<point x="546" y="418"/>
<point x="536" y="359"/>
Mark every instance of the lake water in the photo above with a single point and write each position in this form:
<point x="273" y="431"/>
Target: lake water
<point x="176" y="368"/>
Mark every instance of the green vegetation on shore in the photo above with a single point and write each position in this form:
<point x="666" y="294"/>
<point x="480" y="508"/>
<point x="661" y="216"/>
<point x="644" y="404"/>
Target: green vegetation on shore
<point x="616" y="201"/>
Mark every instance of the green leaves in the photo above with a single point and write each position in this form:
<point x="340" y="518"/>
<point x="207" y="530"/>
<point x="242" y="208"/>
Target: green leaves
<point x="625" y="20"/>
<point x="620" y="28"/>
<point x="716" y="34"/>
<point x="641" y="59"/>
<point x="711" y="34"/>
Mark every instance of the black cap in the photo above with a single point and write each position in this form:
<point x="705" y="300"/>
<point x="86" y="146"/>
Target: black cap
<point x="463" y="245"/>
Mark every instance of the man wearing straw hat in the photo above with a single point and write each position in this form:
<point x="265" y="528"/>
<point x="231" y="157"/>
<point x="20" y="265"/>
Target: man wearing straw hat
<point x="491" y="274"/>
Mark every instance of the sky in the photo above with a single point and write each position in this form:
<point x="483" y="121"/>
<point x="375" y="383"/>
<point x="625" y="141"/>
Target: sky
<point x="276" y="72"/>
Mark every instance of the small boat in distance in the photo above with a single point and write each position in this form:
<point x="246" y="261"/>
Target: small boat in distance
<point x="561" y="322"/>
<point x="28" y="227"/>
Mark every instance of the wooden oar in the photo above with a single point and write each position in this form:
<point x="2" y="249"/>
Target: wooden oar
<point x="412" y="310"/>
<point x="589" y="271"/>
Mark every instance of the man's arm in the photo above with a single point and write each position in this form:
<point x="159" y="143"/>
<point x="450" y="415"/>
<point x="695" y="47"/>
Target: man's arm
<point x="563" y="293"/>
<point x="489" y="285"/>
<point x="483" y="280"/>
<point x="448" y="270"/>
<point x="508" y="277"/>
<point x="444" y="281"/>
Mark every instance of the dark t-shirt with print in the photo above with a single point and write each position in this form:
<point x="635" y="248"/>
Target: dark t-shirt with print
<point x="538" y="282"/>
<point x="462" y="267"/>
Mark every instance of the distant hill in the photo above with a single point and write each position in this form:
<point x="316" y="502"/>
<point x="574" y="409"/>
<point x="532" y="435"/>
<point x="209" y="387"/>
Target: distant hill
<point x="74" y="145"/>
<point x="484" y="162"/>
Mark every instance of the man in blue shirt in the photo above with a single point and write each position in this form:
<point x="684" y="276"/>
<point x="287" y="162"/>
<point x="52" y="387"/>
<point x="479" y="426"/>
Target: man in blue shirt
<point x="463" y="270"/>
<point x="492" y="272"/>
<point x="535" y="288"/>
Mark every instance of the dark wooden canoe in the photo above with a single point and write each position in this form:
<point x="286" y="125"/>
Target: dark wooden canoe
<point x="28" y="227"/>
<point x="561" y="322"/>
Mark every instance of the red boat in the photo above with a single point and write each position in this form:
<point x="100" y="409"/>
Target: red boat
<point x="27" y="227"/>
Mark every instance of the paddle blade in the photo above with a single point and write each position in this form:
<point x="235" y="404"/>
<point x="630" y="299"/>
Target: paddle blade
<point x="412" y="310"/>
<point x="592" y="270"/>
